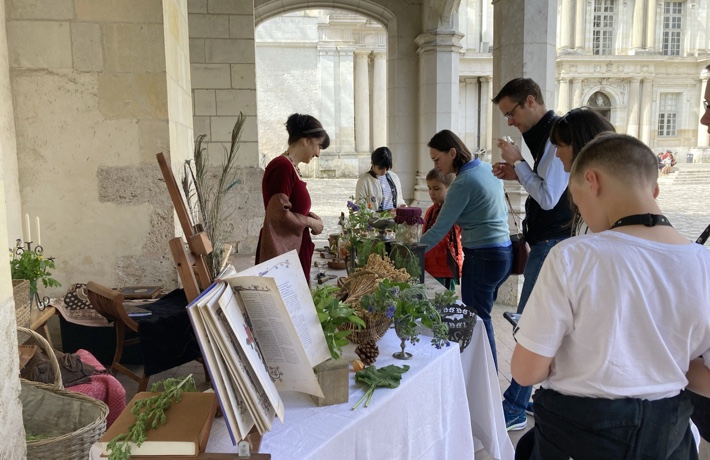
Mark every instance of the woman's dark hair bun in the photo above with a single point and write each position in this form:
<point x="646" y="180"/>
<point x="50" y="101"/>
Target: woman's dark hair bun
<point x="301" y="125"/>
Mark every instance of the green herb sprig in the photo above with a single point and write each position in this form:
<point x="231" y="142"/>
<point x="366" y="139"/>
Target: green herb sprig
<point x="149" y="413"/>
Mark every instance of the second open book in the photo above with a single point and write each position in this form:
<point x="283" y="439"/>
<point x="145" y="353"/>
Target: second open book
<point x="260" y="334"/>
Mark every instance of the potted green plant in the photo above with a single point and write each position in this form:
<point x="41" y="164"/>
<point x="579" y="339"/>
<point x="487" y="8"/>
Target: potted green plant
<point x="32" y="266"/>
<point x="408" y="305"/>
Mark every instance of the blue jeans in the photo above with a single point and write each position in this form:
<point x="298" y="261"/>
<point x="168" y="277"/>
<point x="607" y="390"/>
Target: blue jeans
<point x="484" y="270"/>
<point x="516" y="397"/>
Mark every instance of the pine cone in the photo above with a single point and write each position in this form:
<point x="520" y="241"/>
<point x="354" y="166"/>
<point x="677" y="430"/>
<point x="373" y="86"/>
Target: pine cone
<point x="368" y="352"/>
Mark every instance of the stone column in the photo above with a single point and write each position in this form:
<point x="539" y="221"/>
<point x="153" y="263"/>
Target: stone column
<point x="438" y="94"/>
<point x="471" y="113"/>
<point x="486" y="113"/>
<point x="646" y="102"/>
<point x="565" y="24"/>
<point x="563" y="97"/>
<point x="651" y="24"/>
<point x="703" y="138"/>
<point x="579" y="24"/>
<point x="632" y="107"/>
<point x="576" y="93"/>
<point x="637" y="32"/>
<point x="362" y="101"/>
<point x="379" y="96"/>
<point x="345" y="109"/>
<point x="528" y="51"/>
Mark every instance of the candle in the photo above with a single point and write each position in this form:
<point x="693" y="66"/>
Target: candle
<point x="39" y="240"/>
<point x="28" y="235"/>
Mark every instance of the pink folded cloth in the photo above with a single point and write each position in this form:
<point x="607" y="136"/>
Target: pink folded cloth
<point x="103" y="387"/>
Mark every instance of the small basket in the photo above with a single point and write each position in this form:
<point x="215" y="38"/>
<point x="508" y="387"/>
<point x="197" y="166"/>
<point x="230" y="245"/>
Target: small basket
<point x="72" y="421"/>
<point x="21" y="294"/>
<point x="376" y="325"/>
<point x="461" y="321"/>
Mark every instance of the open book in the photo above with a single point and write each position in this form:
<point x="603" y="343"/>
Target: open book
<point x="259" y="334"/>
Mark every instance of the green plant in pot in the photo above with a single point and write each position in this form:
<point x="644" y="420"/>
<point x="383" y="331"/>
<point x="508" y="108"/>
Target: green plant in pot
<point x="332" y="312"/>
<point x="34" y="267"/>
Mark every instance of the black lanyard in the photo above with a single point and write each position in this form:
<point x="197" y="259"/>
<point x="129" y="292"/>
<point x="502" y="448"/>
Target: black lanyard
<point x="649" y="220"/>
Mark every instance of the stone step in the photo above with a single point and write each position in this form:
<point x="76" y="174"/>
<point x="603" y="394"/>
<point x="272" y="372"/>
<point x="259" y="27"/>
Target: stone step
<point x="692" y="177"/>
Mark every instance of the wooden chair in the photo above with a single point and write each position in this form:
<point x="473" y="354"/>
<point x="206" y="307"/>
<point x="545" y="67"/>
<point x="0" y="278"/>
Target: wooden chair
<point x="109" y="303"/>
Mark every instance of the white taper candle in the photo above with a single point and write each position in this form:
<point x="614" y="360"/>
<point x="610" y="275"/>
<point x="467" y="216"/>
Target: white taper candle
<point x="39" y="240"/>
<point x="28" y="234"/>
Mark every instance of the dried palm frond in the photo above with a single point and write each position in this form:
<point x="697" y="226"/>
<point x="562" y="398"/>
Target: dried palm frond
<point x="211" y="190"/>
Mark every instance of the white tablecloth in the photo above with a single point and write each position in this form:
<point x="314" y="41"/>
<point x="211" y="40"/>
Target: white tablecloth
<point x="484" y="398"/>
<point x="425" y="418"/>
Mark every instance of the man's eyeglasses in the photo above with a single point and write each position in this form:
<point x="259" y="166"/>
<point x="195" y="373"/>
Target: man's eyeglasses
<point x="706" y="105"/>
<point x="509" y="115"/>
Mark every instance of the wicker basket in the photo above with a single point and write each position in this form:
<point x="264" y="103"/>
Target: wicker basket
<point x="21" y="294"/>
<point x="376" y="325"/>
<point x="72" y="421"/>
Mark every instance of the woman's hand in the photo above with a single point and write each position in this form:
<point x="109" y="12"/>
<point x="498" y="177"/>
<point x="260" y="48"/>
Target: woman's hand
<point x="316" y="223"/>
<point x="504" y="171"/>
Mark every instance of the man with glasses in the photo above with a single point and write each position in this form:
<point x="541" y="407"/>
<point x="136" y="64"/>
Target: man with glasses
<point x="548" y="215"/>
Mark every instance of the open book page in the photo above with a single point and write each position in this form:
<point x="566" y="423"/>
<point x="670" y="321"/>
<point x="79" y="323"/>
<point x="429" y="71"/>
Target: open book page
<point x="296" y="298"/>
<point x="276" y="335"/>
<point x="243" y="356"/>
<point x="239" y="420"/>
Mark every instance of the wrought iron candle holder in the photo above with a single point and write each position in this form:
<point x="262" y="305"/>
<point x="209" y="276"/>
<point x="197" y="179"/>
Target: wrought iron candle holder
<point x="41" y="302"/>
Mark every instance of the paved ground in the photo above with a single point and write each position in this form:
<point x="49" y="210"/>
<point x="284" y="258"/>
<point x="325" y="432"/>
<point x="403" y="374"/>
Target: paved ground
<point x="687" y="205"/>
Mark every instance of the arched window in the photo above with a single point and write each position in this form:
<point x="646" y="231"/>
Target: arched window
<point x="601" y="103"/>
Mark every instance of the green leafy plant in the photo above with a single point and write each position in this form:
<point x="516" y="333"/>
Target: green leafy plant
<point x="408" y="305"/>
<point x="385" y="377"/>
<point x="32" y="266"/>
<point x="403" y="257"/>
<point x="333" y="313"/>
<point x="207" y="191"/>
<point x="149" y="413"/>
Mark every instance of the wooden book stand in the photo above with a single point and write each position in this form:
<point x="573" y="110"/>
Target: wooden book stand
<point x="192" y="266"/>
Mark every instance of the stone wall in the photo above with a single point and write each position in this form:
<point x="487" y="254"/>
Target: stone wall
<point x="12" y="431"/>
<point x="222" y="62"/>
<point x="99" y="87"/>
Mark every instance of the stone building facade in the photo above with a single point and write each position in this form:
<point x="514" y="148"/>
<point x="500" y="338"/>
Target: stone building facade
<point x="640" y="63"/>
<point x="93" y="89"/>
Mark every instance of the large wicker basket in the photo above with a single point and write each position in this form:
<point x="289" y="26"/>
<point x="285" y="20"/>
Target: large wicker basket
<point x="21" y="294"/>
<point x="71" y="421"/>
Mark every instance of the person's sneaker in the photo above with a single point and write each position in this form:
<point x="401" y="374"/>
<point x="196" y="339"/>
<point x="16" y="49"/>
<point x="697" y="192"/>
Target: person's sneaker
<point x="515" y="423"/>
<point x="529" y="409"/>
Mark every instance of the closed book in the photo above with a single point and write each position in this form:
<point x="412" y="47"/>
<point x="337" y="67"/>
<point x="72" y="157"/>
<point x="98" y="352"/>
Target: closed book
<point x="185" y="432"/>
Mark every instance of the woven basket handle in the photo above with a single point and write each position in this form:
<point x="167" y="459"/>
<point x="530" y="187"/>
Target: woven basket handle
<point x="50" y="353"/>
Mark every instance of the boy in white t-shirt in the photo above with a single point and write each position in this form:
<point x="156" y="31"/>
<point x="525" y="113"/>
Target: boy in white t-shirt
<point x="618" y="324"/>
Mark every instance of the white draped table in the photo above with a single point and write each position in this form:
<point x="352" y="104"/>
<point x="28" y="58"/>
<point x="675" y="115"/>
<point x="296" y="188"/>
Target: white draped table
<point x="426" y="417"/>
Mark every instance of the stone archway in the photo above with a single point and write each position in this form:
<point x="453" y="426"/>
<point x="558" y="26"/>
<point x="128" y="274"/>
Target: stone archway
<point x="403" y="25"/>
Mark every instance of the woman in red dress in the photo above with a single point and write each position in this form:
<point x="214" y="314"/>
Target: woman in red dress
<point x="289" y="221"/>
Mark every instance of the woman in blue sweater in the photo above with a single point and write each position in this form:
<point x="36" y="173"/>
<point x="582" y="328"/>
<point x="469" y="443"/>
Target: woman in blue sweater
<point x="476" y="202"/>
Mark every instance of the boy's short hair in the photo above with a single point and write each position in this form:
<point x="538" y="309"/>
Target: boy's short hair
<point x="437" y="175"/>
<point x="619" y="155"/>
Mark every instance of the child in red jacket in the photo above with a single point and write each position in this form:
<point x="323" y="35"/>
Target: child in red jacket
<point x="445" y="260"/>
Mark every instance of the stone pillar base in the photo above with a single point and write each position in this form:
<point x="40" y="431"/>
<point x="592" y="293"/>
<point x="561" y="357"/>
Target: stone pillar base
<point x="509" y="292"/>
